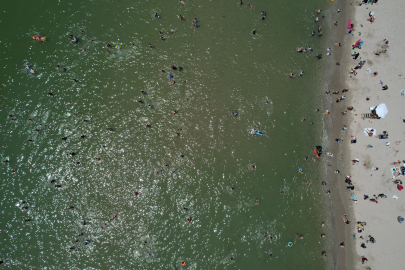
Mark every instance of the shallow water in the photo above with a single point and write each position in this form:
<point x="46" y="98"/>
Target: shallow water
<point x="225" y="68"/>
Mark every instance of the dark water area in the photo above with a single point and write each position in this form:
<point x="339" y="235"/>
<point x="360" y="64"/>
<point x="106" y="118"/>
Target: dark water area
<point x="189" y="160"/>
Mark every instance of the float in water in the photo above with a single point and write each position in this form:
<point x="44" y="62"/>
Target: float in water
<point x="38" y="38"/>
<point x="256" y="132"/>
<point x="30" y="70"/>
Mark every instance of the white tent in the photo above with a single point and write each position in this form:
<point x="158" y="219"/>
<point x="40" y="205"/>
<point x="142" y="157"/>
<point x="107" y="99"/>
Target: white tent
<point x="381" y="110"/>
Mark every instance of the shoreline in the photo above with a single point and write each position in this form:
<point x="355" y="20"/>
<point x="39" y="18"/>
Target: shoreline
<point x="337" y="204"/>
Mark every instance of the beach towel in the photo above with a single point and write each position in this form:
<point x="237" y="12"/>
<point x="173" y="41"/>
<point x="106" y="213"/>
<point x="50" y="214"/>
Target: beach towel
<point x="369" y="130"/>
<point x="399" y="187"/>
<point x="349" y="25"/>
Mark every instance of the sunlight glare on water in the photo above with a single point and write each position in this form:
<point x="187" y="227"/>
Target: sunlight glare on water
<point x="111" y="182"/>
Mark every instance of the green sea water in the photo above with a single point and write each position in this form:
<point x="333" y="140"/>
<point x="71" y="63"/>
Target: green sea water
<point x="188" y="160"/>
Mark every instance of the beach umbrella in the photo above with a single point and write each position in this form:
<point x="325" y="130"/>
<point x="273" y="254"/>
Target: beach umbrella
<point x="381" y="110"/>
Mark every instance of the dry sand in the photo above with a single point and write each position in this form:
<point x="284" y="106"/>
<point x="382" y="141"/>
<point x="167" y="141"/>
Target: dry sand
<point x="381" y="218"/>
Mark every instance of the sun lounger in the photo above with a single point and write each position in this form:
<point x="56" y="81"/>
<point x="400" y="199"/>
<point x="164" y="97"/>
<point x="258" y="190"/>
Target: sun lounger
<point x="369" y="115"/>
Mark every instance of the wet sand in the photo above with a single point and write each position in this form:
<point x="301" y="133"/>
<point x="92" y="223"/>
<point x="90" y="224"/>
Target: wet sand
<point x="343" y="258"/>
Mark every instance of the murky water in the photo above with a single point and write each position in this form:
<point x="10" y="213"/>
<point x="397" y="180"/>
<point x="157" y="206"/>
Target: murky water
<point x="190" y="159"/>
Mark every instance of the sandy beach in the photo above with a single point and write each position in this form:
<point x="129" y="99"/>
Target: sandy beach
<point x="372" y="146"/>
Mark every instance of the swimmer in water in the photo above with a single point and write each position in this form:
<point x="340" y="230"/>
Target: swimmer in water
<point x="254" y="32"/>
<point x="73" y="39"/>
<point x="291" y="75"/>
<point x="181" y="17"/>
<point x="301" y="73"/>
<point x="181" y="1"/>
